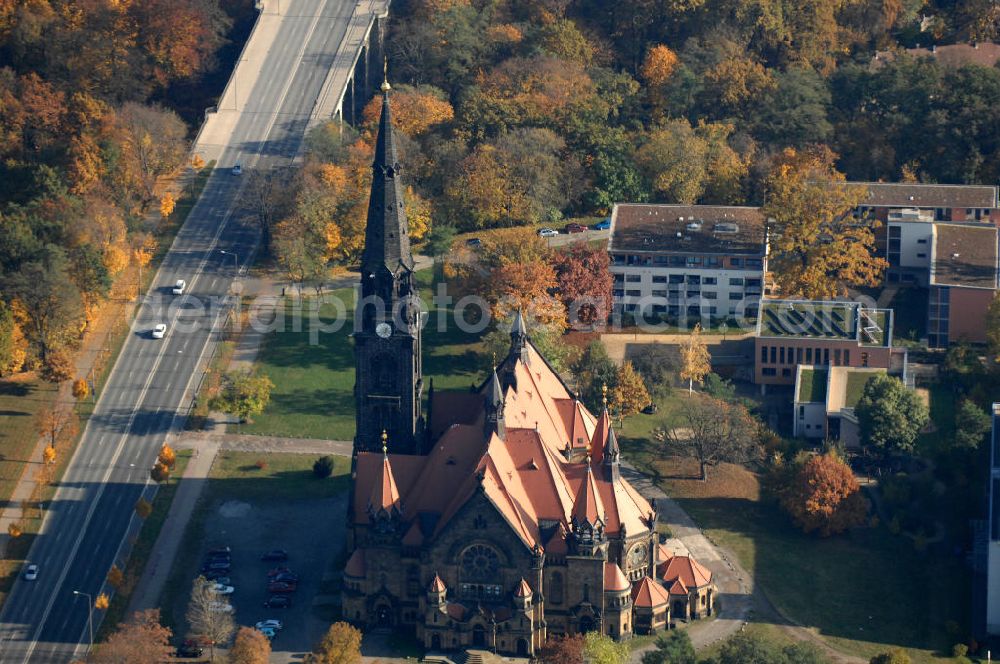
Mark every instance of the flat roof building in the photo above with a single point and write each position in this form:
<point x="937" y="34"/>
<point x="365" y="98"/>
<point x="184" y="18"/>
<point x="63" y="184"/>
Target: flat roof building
<point x="822" y="333"/>
<point x="687" y="262"/>
<point x="963" y="282"/>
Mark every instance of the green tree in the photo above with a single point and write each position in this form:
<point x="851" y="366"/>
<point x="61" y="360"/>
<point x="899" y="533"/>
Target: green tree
<point x="972" y="424"/>
<point x="593" y="371"/>
<point x="601" y="649"/>
<point x="50" y="299"/>
<point x="719" y="388"/>
<point x="993" y="327"/>
<point x="795" y="113"/>
<point x="674" y="648"/>
<point x="244" y="394"/>
<point x="889" y="415"/>
<point x="323" y="467"/>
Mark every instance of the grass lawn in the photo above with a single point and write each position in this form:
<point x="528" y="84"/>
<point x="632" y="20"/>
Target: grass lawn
<point x="313" y="395"/>
<point x="21" y="400"/>
<point x="863" y="592"/>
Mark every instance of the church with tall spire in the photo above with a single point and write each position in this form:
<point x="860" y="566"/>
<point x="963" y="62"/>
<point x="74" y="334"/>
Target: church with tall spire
<point x="502" y="518"/>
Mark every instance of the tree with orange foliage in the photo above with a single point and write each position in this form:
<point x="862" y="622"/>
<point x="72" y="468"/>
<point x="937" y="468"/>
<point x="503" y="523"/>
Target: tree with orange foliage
<point x="49" y="455"/>
<point x="526" y="287"/>
<point x="818" y="249"/>
<point x="658" y="66"/>
<point x="141" y="640"/>
<point x="167" y="456"/>
<point x="102" y="602"/>
<point x="160" y="472"/>
<point x="80" y="389"/>
<point x="57" y="367"/>
<point x="197" y="162"/>
<point x="824" y="496"/>
<point x="116" y="577"/>
<point x="414" y="109"/>
<point x="250" y="647"/>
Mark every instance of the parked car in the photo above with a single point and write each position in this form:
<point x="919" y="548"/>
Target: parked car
<point x="159" y="331"/>
<point x="31" y="572"/>
<point x="474" y="242"/>
<point x="278" y="570"/>
<point x="222" y="581"/>
<point x="547" y="232"/>
<point x="281" y="588"/>
<point x="650" y="409"/>
<point x="217" y="575"/>
<point x="603" y="225"/>
<point x="272" y="623"/>
<point x="278" y="602"/>
<point x="287" y="577"/>
<point x="222" y="589"/>
<point x="220" y="549"/>
<point x="220" y="607"/>
<point x="188" y="650"/>
<point x="275" y="555"/>
<point x="238" y="169"/>
<point x="179" y="287"/>
<point x="269" y="632"/>
<point x="216" y="567"/>
<point x="575" y="228"/>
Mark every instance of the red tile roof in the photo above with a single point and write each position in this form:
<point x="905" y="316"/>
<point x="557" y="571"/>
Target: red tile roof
<point x="649" y="594"/>
<point x="523" y="589"/>
<point x="687" y="570"/>
<point x="678" y="588"/>
<point x="663" y="554"/>
<point x="355" y="566"/>
<point x="614" y="578"/>
<point x="588" y="507"/>
<point x="525" y="474"/>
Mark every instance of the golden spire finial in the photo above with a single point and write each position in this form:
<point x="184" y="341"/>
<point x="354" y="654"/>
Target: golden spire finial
<point x="588" y="456"/>
<point x="385" y="445"/>
<point x="494" y="360"/>
<point x="385" y="75"/>
<point x="604" y="394"/>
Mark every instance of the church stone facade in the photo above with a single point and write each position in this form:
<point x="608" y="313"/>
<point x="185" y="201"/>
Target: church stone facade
<point x="501" y="518"/>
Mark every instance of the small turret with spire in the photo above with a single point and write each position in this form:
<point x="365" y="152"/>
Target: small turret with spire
<point x="494" y="407"/>
<point x="588" y="516"/>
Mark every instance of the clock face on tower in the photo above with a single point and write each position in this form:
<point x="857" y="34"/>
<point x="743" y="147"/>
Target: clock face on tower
<point x="383" y="330"/>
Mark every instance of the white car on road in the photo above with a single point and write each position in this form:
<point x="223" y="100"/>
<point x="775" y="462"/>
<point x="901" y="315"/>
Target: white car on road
<point x="160" y="331"/>
<point x="271" y="623"/>
<point x="179" y="287"/>
<point x="547" y="232"/>
<point x="31" y="572"/>
<point x="238" y="169"/>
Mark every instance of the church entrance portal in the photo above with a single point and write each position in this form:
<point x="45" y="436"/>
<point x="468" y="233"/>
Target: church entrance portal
<point x="383" y="617"/>
<point x="479" y="636"/>
<point x="522" y="647"/>
<point x="436" y="642"/>
<point x="586" y="624"/>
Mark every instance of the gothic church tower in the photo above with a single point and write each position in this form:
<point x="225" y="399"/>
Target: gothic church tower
<point x="388" y="373"/>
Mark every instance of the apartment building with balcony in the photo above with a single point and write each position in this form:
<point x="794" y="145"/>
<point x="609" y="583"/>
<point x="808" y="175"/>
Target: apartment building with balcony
<point x="825" y="333"/>
<point x="688" y="262"/>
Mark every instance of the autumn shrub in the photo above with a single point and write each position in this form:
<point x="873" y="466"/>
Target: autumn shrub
<point x="323" y="467"/>
<point x="260" y="464"/>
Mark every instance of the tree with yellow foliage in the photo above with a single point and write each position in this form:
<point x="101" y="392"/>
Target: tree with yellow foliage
<point x="49" y="455"/>
<point x="414" y="110"/>
<point x="197" y="162"/>
<point x="115" y="577"/>
<point x="14" y="530"/>
<point x="167" y="205"/>
<point x="818" y="248"/>
<point x="115" y="259"/>
<point x="696" y="363"/>
<point x="167" y="456"/>
<point x="102" y="602"/>
<point x="629" y="396"/>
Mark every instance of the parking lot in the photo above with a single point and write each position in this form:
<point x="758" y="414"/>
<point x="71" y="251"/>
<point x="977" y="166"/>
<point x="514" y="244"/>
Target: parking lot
<point x="310" y="530"/>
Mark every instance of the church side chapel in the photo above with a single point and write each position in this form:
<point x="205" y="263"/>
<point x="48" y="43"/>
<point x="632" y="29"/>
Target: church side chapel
<point x="502" y="516"/>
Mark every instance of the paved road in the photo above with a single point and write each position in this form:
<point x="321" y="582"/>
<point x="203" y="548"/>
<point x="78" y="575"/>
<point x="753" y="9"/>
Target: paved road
<point x="92" y="513"/>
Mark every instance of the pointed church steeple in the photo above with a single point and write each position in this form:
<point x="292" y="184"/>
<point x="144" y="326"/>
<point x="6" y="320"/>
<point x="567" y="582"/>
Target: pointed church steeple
<point x="384" y="506"/>
<point x="612" y="457"/>
<point x="588" y="516"/>
<point x="387" y="337"/>
<point x="387" y="238"/>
